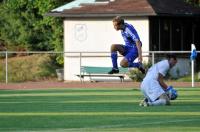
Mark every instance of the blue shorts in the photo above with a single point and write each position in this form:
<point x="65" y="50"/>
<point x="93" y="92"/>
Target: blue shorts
<point x="130" y="53"/>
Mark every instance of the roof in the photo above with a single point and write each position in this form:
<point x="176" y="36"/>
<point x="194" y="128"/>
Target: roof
<point x="72" y="4"/>
<point x="174" y="7"/>
<point x="110" y="8"/>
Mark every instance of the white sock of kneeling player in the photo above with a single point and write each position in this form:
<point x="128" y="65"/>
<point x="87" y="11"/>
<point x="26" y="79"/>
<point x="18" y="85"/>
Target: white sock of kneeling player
<point x="158" y="102"/>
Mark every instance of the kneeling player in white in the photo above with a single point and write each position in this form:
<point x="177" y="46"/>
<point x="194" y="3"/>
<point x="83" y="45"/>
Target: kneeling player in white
<point x="153" y="86"/>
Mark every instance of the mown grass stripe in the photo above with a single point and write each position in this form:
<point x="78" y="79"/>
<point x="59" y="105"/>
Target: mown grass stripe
<point x="114" y="129"/>
<point x="82" y="102"/>
<point x="84" y="94"/>
<point x="71" y="102"/>
<point x="98" y="88"/>
<point x="74" y="90"/>
<point x="150" y="123"/>
<point x="72" y="94"/>
<point x="99" y="113"/>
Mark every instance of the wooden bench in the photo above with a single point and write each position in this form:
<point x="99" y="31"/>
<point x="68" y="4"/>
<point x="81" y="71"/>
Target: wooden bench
<point x="92" y="71"/>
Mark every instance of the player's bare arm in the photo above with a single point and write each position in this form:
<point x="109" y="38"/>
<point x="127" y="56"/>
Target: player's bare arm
<point x="161" y="81"/>
<point x="139" y="47"/>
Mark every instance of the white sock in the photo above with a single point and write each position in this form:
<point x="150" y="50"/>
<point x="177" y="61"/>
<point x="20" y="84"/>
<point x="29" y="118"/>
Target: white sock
<point x="158" y="102"/>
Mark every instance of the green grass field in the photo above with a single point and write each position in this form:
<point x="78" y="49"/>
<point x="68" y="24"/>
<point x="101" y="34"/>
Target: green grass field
<point x="98" y="110"/>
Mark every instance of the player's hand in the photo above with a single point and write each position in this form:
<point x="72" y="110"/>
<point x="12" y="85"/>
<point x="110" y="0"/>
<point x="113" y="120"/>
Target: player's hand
<point x="171" y="93"/>
<point x="169" y="88"/>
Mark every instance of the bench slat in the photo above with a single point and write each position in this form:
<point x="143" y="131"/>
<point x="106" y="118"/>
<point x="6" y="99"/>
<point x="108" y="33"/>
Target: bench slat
<point x="101" y="70"/>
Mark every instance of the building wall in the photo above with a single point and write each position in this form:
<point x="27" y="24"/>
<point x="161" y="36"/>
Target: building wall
<point x="95" y="36"/>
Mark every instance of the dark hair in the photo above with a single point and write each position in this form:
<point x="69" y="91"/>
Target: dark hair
<point x="171" y="55"/>
<point x="119" y="20"/>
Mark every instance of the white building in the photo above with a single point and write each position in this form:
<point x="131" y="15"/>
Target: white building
<point x="88" y="28"/>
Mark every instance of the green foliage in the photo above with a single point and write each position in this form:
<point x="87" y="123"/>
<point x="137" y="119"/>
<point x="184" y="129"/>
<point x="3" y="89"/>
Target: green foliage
<point x="24" y="26"/>
<point x="23" y="23"/>
<point x="25" y="69"/>
<point x="60" y="60"/>
<point x="136" y="75"/>
<point x="193" y="2"/>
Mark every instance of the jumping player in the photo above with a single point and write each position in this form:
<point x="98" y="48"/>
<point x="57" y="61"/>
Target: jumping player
<point x="131" y="50"/>
<point x="153" y="87"/>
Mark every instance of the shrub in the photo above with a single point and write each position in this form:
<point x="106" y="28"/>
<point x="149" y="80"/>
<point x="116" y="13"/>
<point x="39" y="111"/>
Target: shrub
<point x="136" y="75"/>
<point x="29" y="68"/>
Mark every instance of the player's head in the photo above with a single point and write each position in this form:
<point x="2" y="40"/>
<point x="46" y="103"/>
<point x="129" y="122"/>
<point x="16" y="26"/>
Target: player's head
<point x="172" y="59"/>
<point x="118" y="23"/>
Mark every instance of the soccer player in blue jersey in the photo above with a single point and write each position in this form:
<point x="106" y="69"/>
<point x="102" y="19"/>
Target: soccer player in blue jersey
<point x="131" y="50"/>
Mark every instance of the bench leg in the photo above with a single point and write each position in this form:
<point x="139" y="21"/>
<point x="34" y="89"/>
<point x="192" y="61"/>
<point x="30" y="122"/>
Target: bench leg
<point x="90" y="78"/>
<point x="82" y="78"/>
<point x="122" y="79"/>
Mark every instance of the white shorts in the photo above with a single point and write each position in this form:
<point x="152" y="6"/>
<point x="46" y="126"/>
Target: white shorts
<point x="151" y="89"/>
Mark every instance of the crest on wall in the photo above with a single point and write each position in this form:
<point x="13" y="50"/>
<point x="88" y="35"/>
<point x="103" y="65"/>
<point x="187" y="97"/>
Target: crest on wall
<point x="80" y="32"/>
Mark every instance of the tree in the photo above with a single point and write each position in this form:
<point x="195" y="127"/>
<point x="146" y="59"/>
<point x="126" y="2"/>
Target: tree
<point x="194" y="2"/>
<point x="24" y="25"/>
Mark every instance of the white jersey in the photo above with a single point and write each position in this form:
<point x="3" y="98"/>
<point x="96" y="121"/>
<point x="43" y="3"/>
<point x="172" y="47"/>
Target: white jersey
<point x="150" y="86"/>
<point x="161" y="67"/>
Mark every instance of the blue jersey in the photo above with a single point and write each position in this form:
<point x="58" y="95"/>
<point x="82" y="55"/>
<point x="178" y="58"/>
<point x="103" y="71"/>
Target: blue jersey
<point x="130" y="35"/>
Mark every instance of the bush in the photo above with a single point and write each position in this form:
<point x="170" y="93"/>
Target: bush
<point x="29" y="68"/>
<point x="136" y="75"/>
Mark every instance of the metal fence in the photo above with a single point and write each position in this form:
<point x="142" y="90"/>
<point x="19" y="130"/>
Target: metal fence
<point x="150" y="56"/>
